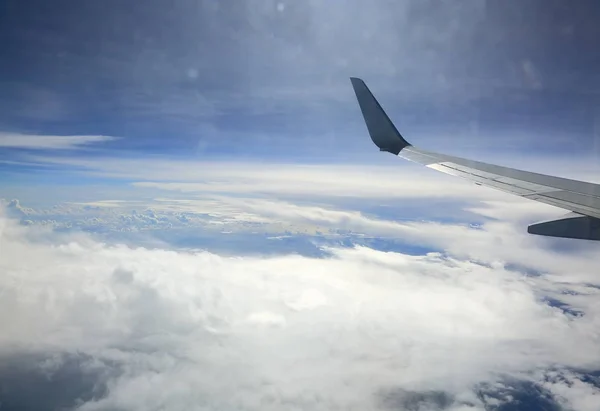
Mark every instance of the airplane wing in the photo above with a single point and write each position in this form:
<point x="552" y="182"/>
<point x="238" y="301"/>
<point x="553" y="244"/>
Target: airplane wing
<point x="580" y="198"/>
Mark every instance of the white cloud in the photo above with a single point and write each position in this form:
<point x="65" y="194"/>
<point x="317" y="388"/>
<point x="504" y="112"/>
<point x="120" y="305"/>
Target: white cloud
<point x="397" y="180"/>
<point x="15" y="209"/>
<point x="501" y="239"/>
<point x="44" y="142"/>
<point x="202" y="330"/>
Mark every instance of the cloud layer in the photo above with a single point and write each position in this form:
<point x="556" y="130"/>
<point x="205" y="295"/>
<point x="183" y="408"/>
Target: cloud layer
<point x="358" y="329"/>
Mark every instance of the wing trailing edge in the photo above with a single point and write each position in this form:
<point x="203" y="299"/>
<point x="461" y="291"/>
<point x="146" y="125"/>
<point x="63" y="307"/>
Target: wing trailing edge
<point x="579" y="197"/>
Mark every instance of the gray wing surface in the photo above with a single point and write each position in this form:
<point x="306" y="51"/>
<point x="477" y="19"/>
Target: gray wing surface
<point x="582" y="199"/>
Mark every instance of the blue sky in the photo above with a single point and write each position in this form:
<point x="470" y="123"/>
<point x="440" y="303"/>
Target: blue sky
<point x="508" y="83"/>
<point x="208" y="79"/>
<point x="192" y="213"/>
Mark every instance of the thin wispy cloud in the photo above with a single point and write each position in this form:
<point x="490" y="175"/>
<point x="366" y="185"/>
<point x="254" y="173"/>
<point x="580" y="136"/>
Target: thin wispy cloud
<point x="392" y="179"/>
<point x="45" y="142"/>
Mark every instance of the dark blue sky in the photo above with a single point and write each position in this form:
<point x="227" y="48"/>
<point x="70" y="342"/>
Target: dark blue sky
<point x="271" y="78"/>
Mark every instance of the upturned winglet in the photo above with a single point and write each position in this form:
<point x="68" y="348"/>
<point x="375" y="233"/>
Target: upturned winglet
<point x="383" y="132"/>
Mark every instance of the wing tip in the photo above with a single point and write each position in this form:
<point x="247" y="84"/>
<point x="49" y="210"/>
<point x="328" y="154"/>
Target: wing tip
<point x="381" y="129"/>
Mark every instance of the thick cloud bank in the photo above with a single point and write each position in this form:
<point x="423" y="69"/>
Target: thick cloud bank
<point x="105" y="327"/>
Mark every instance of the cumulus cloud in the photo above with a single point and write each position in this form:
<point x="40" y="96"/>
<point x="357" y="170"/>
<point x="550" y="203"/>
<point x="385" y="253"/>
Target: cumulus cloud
<point x="499" y="235"/>
<point x="45" y="142"/>
<point x="358" y="329"/>
<point x="15" y="209"/>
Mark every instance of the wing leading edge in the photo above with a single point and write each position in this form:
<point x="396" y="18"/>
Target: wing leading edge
<point x="582" y="199"/>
